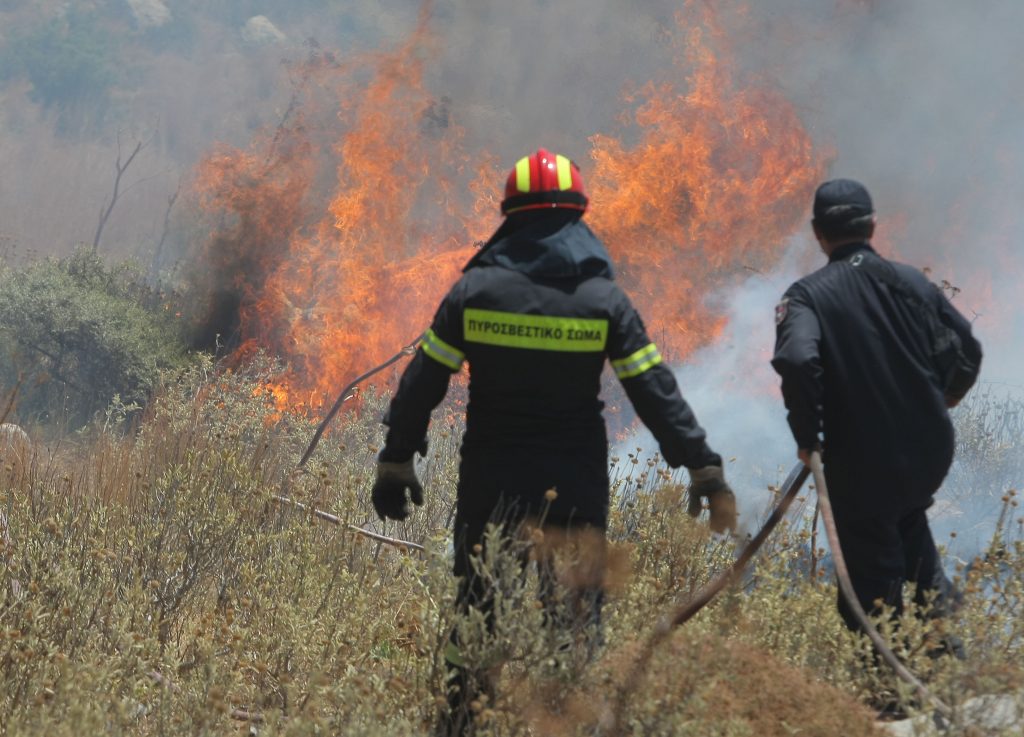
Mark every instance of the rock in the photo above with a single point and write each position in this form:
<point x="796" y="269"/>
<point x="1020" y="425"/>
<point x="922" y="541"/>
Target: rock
<point x="149" y="13"/>
<point x="259" y="31"/>
<point x="15" y="451"/>
<point x="904" y="727"/>
<point x="985" y="714"/>
<point x="991" y="712"/>
<point x="13" y="441"/>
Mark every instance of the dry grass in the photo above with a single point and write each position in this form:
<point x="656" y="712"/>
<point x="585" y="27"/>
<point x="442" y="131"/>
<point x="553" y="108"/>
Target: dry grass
<point x="150" y="587"/>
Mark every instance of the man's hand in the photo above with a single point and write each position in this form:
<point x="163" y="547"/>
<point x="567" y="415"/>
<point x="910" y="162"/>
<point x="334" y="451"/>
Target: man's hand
<point x="804" y="454"/>
<point x="709" y="482"/>
<point x="389" y="497"/>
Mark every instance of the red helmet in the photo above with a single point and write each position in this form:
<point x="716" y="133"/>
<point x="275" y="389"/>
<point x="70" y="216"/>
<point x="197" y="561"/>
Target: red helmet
<point x="544" y="180"/>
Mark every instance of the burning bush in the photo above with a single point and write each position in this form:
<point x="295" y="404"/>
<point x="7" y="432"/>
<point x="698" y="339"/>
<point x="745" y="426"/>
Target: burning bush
<point x="335" y="235"/>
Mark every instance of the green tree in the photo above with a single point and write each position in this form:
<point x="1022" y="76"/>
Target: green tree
<point x="70" y="61"/>
<point x="80" y="333"/>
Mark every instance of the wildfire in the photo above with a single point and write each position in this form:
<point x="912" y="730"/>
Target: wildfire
<point x="719" y="178"/>
<point x="335" y="266"/>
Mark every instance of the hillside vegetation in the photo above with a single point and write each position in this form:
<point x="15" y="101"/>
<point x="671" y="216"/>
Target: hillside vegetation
<point x="152" y="586"/>
<point x="78" y="79"/>
<point x="150" y="583"/>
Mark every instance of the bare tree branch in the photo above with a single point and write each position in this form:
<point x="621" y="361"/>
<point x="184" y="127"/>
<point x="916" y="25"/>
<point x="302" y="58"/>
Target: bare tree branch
<point x="119" y="170"/>
<point x="150" y="178"/>
<point x="159" y="251"/>
<point x="333" y="519"/>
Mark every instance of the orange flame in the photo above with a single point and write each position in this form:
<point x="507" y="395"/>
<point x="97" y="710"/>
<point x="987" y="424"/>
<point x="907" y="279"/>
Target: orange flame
<point x="718" y="177"/>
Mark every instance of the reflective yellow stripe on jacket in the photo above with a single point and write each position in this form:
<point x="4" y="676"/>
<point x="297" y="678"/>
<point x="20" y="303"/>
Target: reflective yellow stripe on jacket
<point x="535" y="332"/>
<point x="443" y="353"/>
<point x="635" y="364"/>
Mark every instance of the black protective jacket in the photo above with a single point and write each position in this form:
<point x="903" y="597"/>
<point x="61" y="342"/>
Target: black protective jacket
<point x="856" y="364"/>
<point x="535" y="315"/>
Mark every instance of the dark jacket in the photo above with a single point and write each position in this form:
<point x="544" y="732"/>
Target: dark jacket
<point x="535" y="314"/>
<point x="854" y="355"/>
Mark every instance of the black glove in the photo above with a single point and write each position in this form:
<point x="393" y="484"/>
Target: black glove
<point x="709" y="482"/>
<point x="389" y="499"/>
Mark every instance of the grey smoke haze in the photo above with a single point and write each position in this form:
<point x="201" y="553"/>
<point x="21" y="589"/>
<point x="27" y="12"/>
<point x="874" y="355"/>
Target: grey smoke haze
<point x="923" y="102"/>
<point x="734" y="392"/>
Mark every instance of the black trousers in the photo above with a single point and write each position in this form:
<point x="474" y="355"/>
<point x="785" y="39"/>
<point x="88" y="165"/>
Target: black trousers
<point x="510" y="492"/>
<point x="885" y="551"/>
<point x="884" y="534"/>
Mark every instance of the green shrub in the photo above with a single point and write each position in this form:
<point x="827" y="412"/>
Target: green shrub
<point x="71" y="63"/>
<point x="80" y="334"/>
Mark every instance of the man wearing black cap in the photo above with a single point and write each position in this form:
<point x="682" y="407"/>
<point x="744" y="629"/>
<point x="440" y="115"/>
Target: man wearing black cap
<point x="872" y="355"/>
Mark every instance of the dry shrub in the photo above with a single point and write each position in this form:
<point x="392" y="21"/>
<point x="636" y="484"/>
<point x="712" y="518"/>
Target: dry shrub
<point x="708" y="685"/>
<point x="160" y="551"/>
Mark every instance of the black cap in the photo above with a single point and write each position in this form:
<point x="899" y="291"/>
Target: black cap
<point x="841" y="200"/>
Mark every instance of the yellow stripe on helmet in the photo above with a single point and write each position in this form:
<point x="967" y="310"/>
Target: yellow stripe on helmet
<point x="523" y="174"/>
<point x="564" y="167"/>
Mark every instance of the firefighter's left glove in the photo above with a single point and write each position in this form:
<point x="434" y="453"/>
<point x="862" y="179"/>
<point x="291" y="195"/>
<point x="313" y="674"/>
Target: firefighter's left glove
<point x="389" y="491"/>
<point x="709" y="483"/>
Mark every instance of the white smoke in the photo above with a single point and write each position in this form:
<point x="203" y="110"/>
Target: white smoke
<point x="733" y="390"/>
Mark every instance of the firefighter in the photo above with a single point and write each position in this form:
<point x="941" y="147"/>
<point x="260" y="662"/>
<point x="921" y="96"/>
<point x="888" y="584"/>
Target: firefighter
<point x="535" y="314"/>
<point x="872" y="356"/>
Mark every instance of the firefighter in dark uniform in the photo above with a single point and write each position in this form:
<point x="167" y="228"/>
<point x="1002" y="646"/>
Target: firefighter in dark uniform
<point x="535" y="315"/>
<point x="872" y="355"/>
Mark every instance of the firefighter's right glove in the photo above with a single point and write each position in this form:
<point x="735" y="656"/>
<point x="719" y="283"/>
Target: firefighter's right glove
<point x="389" y="491"/>
<point x="709" y="483"/>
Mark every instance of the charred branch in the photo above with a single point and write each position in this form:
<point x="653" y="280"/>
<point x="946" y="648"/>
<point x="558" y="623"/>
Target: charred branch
<point x="119" y="170"/>
<point x="159" y="251"/>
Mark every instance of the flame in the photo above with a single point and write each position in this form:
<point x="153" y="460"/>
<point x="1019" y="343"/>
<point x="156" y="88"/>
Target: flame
<point x="719" y="177"/>
<point x="337" y="266"/>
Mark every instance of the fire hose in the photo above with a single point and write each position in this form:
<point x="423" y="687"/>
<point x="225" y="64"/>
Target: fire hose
<point x="702" y="598"/>
<point x="344" y="396"/>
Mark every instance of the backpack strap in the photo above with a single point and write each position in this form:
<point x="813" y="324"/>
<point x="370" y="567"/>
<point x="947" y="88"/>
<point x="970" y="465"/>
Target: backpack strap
<point x="945" y="346"/>
<point x="882" y="270"/>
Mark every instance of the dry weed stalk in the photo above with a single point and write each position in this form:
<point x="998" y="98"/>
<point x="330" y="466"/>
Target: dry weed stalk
<point x="346" y="394"/>
<point x="403" y="545"/>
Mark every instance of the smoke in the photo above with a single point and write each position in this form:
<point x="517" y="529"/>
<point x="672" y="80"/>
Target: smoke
<point x="922" y="102"/>
<point x="547" y="74"/>
<point x="733" y="388"/>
